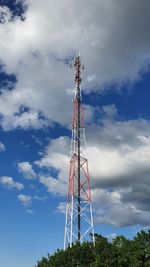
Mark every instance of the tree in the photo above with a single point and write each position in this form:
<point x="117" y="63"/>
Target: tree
<point x="141" y="249"/>
<point x="121" y="252"/>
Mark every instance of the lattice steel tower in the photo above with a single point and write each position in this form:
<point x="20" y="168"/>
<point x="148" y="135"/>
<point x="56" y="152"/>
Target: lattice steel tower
<point x="79" y="219"/>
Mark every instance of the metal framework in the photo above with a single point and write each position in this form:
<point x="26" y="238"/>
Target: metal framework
<point x="79" y="219"/>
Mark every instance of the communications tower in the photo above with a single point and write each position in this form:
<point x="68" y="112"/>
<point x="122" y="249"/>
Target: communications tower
<point x="79" y="218"/>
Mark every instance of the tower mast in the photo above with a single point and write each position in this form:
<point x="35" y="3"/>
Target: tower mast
<point x="77" y="66"/>
<point x="79" y="205"/>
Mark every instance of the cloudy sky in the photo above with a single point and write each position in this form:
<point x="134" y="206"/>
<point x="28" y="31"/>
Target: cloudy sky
<point x="38" y="38"/>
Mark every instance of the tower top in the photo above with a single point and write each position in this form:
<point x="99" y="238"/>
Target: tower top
<point x="77" y="66"/>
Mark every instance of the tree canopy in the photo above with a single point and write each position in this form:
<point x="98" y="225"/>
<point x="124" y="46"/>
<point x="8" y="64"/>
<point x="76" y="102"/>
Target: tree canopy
<point x="120" y="252"/>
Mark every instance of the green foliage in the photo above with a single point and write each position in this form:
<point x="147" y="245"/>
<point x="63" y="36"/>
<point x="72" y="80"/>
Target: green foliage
<point x="121" y="252"/>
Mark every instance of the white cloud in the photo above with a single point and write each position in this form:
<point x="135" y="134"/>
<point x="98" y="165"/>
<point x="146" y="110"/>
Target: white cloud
<point x="30" y="211"/>
<point x="98" y="34"/>
<point x="5" y="14"/>
<point x="55" y="157"/>
<point x="54" y="185"/>
<point x="2" y="147"/>
<point x="26" y="169"/>
<point x="112" y="50"/>
<point x="112" y="158"/>
<point x="25" y="199"/>
<point x="118" y="155"/>
<point x="9" y="183"/>
<point x="61" y="208"/>
<point x="105" y="197"/>
<point x="124" y="215"/>
<point x="30" y="119"/>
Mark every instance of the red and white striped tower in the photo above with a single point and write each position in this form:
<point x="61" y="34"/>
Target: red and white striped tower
<point x="79" y="219"/>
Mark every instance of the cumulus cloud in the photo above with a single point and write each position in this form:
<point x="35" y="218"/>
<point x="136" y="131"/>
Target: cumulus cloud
<point x="105" y="197"/>
<point x="56" y="153"/>
<point x="26" y="169"/>
<point x="2" y="147"/>
<point x="115" y="157"/>
<point x="56" y="160"/>
<point x="10" y="183"/>
<point x="115" y="49"/>
<point x="25" y="120"/>
<point x="25" y="199"/>
<point x="54" y="185"/>
<point x="99" y="36"/>
<point x="118" y="155"/>
<point x="5" y="14"/>
<point x="119" y="167"/>
<point x="61" y="208"/>
<point x="123" y="215"/>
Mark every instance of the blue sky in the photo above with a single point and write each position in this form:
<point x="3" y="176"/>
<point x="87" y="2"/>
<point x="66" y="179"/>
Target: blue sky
<point x="36" y="89"/>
